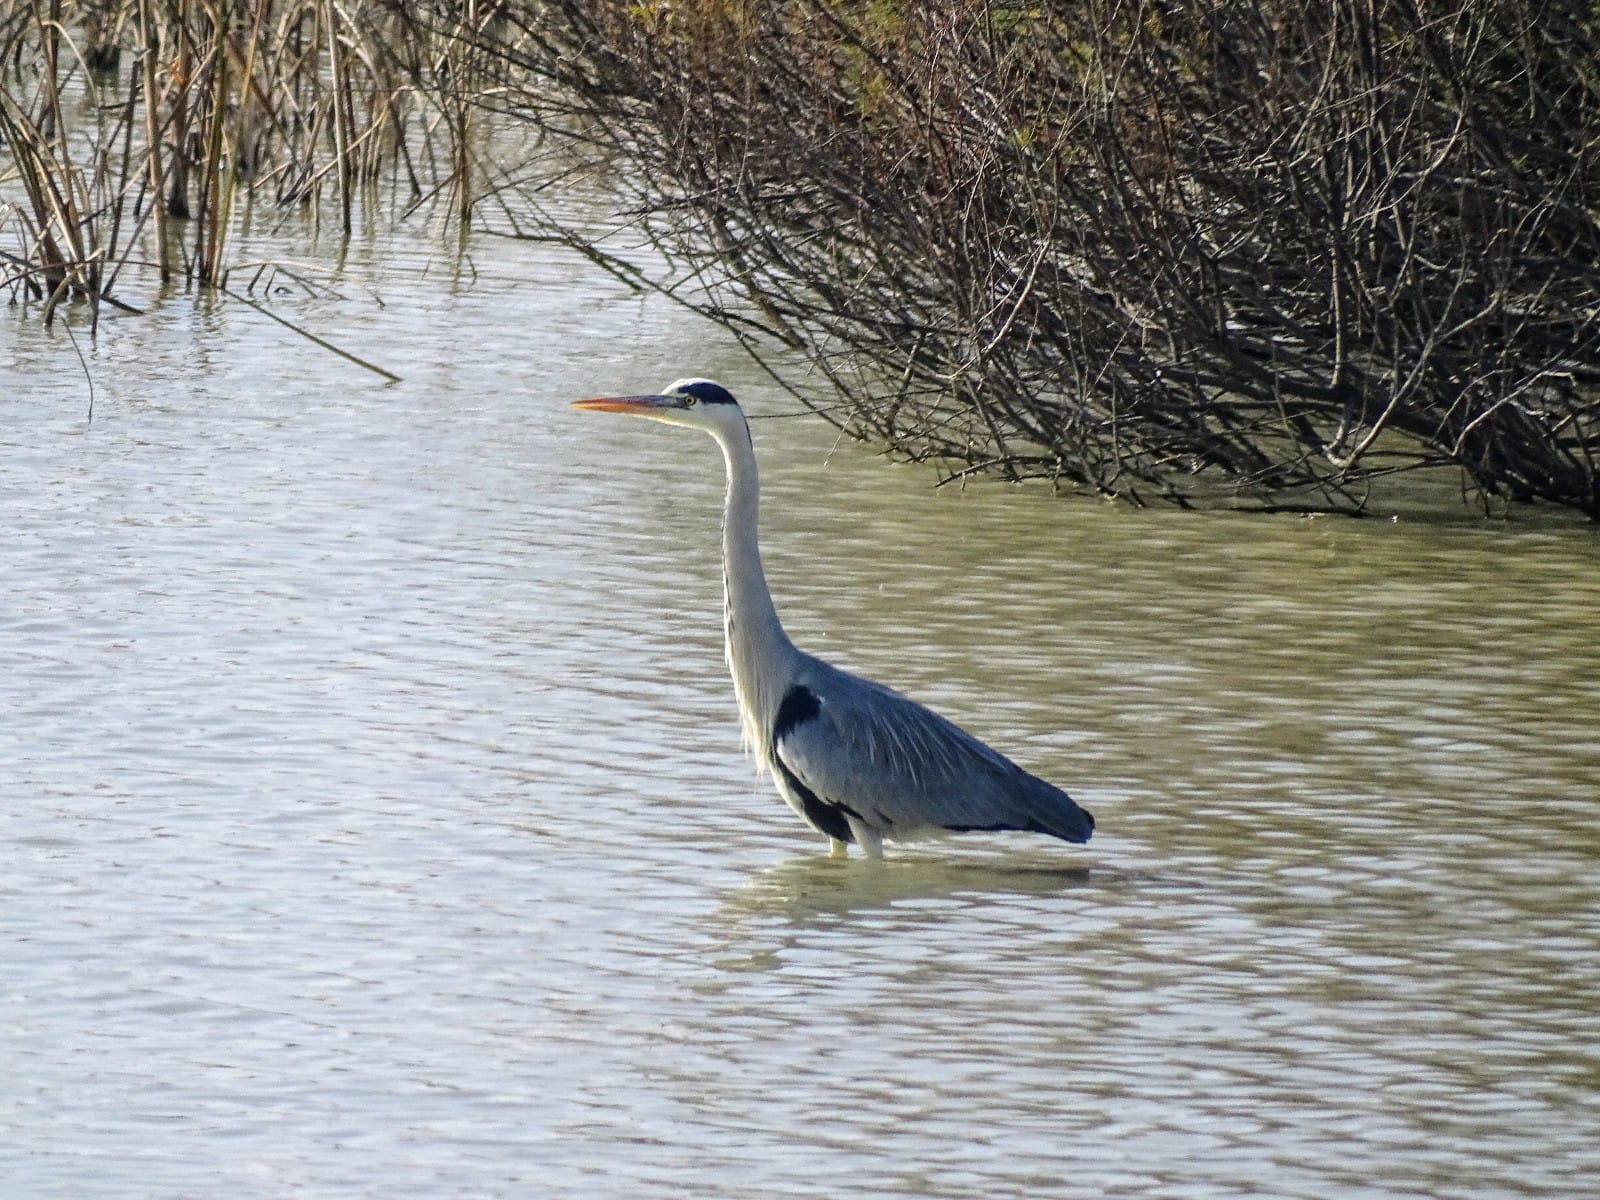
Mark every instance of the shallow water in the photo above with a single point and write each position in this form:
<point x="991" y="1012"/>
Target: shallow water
<point x="375" y="822"/>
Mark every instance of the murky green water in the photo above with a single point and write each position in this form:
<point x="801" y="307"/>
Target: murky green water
<point x="375" y="824"/>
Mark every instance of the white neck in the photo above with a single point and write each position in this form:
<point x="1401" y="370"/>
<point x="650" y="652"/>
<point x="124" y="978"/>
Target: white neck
<point x="760" y="655"/>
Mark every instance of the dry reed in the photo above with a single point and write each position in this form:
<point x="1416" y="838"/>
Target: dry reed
<point x="134" y="127"/>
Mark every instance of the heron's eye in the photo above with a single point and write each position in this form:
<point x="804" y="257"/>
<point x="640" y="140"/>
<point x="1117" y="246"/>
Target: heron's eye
<point x="690" y="401"/>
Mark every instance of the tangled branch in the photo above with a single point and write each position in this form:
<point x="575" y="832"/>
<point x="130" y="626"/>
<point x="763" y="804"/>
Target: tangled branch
<point x="1154" y="248"/>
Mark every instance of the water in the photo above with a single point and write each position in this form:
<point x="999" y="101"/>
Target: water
<point x="374" y="820"/>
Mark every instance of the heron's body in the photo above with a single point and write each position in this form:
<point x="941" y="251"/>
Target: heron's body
<point x="856" y="760"/>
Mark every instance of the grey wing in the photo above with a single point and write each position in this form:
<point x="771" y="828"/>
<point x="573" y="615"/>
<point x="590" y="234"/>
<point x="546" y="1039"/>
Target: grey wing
<point x="898" y="766"/>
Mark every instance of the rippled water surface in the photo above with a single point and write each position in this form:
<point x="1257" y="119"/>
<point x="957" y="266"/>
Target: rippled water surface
<point x="375" y="824"/>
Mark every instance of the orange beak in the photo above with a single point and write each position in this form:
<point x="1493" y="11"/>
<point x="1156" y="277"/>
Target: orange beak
<point x="627" y="404"/>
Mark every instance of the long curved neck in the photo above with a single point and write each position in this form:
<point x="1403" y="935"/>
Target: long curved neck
<point x="759" y="652"/>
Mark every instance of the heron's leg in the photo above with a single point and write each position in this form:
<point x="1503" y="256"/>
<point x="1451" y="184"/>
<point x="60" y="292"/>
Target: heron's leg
<point x="869" y="839"/>
<point x="837" y="849"/>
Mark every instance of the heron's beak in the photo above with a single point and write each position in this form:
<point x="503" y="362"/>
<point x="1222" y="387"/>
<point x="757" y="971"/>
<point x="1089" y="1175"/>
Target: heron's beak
<point x="642" y="406"/>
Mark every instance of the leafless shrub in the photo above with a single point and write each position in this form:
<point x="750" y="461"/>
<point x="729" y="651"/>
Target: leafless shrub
<point x="1162" y="249"/>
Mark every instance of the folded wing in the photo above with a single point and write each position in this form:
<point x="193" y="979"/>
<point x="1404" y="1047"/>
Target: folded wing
<point x="861" y="749"/>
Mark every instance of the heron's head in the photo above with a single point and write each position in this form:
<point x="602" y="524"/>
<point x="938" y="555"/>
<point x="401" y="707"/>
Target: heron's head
<point x="697" y="403"/>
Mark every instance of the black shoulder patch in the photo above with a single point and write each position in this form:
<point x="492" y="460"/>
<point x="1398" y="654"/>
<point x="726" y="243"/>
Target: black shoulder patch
<point x="824" y="817"/>
<point x="799" y="705"/>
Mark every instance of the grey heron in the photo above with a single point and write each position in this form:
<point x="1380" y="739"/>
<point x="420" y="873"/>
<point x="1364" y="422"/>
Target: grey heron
<point x="857" y="761"/>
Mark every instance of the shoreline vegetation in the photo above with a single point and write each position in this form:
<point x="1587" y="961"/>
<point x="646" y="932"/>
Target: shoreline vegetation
<point x="1249" y="249"/>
